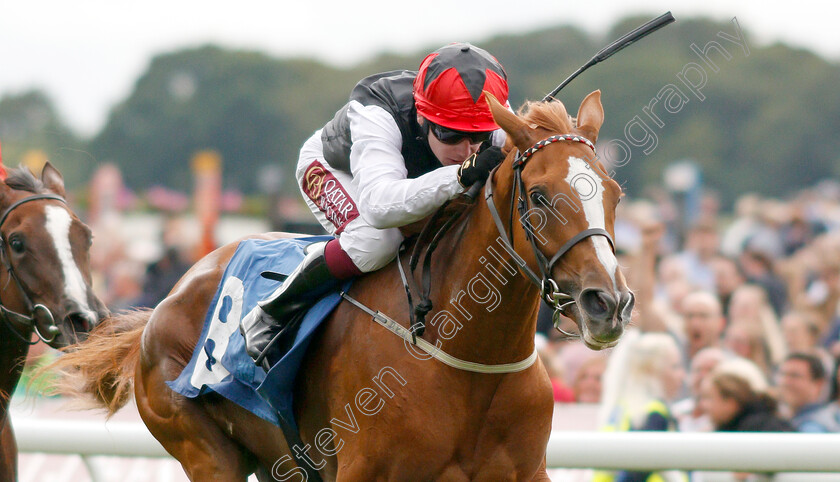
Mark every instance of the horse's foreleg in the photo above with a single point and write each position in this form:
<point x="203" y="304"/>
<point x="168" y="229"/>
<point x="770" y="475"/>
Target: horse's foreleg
<point x="187" y="432"/>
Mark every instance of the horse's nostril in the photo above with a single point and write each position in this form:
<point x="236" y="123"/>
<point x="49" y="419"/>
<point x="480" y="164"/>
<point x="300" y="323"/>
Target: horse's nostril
<point x="599" y="304"/>
<point x="625" y="306"/>
<point x="81" y="321"/>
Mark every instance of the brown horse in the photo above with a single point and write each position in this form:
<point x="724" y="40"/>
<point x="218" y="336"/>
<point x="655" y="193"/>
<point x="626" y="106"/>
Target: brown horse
<point x="44" y="282"/>
<point x="367" y="407"/>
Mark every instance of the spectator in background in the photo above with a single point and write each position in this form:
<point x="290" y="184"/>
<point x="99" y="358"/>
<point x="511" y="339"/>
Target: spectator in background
<point x="162" y="274"/>
<point x="828" y="416"/>
<point x="798" y="231"/>
<point x="757" y="264"/>
<point x="802" y="378"/>
<point x="749" y="305"/>
<point x="747" y="340"/>
<point x="822" y="295"/>
<point x="588" y="381"/>
<point x="829" y="277"/>
<point x="672" y="276"/>
<point x="124" y="287"/>
<point x="802" y="334"/>
<point x="728" y="278"/>
<point x="689" y="411"/>
<point x="801" y="331"/>
<point x="583" y="369"/>
<point x="701" y="248"/>
<point x="671" y="287"/>
<point x="736" y="397"/>
<point x="109" y="255"/>
<point x="744" y="227"/>
<point x="813" y="278"/>
<point x="703" y="322"/>
<point x="644" y="374"/>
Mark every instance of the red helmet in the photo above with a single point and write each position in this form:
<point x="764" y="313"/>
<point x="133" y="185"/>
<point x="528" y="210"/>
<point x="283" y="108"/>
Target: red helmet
<point x="448" y="88"/>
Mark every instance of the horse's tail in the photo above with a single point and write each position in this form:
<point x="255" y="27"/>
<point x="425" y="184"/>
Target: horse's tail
<point x="102" y="367"/>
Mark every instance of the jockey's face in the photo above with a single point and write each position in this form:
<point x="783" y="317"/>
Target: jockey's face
<point x="450" y="154"/>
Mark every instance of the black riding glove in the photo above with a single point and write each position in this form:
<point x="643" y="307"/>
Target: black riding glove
<point x="477" y="167"/>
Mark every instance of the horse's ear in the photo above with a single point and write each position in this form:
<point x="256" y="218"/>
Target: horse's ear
<point x="591" y="116"/>
<point x="517" y="130"/>
<point x="5" y="192"/>
<point x="52" y="179"/>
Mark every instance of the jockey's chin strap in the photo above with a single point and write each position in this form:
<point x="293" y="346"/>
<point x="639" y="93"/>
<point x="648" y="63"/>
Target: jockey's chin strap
<point x="549" y="291"/>
<point x="40" y="317"/>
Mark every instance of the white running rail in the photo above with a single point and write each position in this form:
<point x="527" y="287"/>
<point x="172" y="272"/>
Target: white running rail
<point x="743" y="452"/>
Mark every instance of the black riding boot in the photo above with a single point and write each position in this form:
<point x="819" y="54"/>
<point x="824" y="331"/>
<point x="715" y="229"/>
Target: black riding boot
<point x="299" y="291"/>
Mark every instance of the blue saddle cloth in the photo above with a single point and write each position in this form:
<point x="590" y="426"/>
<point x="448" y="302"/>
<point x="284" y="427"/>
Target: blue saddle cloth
<point x="219" y="362"/>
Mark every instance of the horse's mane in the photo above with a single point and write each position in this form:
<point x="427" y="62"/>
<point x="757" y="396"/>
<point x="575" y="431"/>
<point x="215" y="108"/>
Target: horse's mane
<point x="548" y="115"/>
<point x="22" y="179"/>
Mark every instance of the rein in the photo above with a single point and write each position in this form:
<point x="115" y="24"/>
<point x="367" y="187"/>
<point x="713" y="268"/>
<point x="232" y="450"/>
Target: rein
<point x="417" y="314"/>
<point x="549" y="290"/>
<point x="39" y="315"/>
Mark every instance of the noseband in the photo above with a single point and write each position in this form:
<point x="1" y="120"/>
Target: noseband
<point x="549" y="290"/>
<point x="39" y="315"/>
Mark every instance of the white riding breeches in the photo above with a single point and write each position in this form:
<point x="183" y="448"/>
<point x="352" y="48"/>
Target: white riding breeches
<point x="332" y="196"/>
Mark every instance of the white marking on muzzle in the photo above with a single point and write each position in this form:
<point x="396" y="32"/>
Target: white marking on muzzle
<point x="58" y="225"/>
<point x="589" y="188"/>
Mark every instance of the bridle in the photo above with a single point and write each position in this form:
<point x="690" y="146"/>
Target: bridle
<point x="549" y="291"/>
<point x="40" y="317"/>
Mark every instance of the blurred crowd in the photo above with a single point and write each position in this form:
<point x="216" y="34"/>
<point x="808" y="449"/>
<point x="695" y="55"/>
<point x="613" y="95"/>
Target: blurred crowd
<point x="736" y="326"/>
<point x="130" y="275"/>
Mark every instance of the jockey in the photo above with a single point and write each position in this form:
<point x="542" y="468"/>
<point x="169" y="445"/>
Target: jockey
<point x="405" y="144"/>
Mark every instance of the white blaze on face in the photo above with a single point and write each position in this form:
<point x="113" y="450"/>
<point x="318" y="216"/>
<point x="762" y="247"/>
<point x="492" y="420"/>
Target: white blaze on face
<point x="58" y="225"/>
<point x="589" y="188"/>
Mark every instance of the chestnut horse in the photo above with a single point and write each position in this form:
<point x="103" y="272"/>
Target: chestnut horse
<point x="367" y="407"/>
<point x="44" y="282"/>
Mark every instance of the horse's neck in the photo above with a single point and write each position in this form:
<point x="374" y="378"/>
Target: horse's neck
<point x="13" y="353"/>
<point x="13" y="350"/>
<point x="487" y="299"/>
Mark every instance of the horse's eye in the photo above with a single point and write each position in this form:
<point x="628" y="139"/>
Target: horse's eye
<point x="537" y="196"/>
<point x="17" y="245"/>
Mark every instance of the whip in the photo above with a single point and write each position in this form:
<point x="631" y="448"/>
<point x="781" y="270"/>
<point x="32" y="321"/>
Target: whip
<point x="609" y="50"/>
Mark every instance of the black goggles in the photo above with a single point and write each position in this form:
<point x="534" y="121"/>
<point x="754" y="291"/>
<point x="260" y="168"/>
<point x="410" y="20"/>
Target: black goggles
<point x="451" y="136"/>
